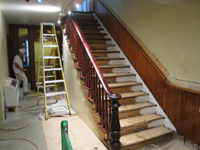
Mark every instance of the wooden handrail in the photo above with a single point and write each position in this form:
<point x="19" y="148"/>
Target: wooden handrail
<point x="94" y="63"/>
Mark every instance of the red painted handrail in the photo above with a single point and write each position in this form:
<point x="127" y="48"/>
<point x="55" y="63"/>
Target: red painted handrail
<point x="94" y="63"/>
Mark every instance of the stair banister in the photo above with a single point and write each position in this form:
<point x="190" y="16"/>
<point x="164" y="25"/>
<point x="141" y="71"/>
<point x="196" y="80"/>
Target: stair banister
<point x="114" y="126"/>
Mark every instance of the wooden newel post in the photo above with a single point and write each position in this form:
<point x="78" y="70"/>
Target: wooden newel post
<point x="114" y="123"/>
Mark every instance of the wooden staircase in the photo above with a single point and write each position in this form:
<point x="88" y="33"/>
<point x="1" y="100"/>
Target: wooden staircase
<point x="140" y="125"/>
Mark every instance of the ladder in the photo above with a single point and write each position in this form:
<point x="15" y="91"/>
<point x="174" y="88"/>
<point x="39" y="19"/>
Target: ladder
<point x="50" y="80"/>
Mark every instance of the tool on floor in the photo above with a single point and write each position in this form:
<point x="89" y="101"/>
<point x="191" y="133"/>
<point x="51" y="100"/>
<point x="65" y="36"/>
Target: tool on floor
<point x="50" y="80"/>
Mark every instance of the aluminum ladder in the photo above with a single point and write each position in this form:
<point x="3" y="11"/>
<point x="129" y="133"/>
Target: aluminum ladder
<point x="49" y="42"/>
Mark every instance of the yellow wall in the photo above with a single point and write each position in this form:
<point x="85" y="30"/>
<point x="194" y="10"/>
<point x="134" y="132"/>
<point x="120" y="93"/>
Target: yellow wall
<point x="3" y="61"/>
<point x="169" y="28"/>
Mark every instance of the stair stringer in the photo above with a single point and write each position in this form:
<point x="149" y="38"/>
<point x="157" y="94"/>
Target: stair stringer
<point x="77" y="94"/>
<point x="92" y="119"/>
<point x="167" y="123"/>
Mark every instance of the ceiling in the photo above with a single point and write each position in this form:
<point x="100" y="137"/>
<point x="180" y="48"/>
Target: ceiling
<point x="33" y="13"/>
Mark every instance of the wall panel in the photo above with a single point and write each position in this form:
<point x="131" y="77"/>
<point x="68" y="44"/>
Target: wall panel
<point x="180" y="105"/>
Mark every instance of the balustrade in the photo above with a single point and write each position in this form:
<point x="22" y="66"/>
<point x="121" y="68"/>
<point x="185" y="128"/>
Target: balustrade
<point x="106" y="102"/>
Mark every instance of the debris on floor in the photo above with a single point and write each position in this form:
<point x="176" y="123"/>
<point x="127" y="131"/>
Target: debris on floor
<point x="56" y="110"/>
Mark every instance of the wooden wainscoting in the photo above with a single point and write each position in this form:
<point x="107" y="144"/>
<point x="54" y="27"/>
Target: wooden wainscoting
<point x="181" y="105"/>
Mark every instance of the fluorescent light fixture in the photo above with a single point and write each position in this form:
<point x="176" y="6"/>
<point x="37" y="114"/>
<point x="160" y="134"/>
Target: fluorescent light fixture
<point x="39" y="1"/>
<point x="77" y="5"/>
<point x="59" y="20"/>
<point x="42" y="8"/>
<point x="69" y="12"/>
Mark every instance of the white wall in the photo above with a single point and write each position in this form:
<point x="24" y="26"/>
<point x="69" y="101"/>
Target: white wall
<point x="3" y="61"/>
<point x="169" y="28"/>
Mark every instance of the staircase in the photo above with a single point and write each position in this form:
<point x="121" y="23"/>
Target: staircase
<point x="140" y="124"/>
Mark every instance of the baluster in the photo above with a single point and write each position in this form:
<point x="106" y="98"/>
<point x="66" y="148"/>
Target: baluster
<point x="83" y="63"/>
<point x="99" y="96"/>
<point x="102" y="108"/>
<point x="106" y="111"/>
<point x="96" y="93"/>
<point x="87" y="71"/>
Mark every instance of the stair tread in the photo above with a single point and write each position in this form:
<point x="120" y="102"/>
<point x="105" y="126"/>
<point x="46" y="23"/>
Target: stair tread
<point x="123" y="84"/>
<point x="109" y="58"/>
<point x="117" y="74"/>
<point x="143" y="135"/>
<point x="105" y="51"/>
<point x="135" y="106"/>
<point x="113" y="66"/>
<point x="132" y="94"/>
<point x="137" y="120"/>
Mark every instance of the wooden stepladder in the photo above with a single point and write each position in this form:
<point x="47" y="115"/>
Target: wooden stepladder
<point x="49" y="42"/>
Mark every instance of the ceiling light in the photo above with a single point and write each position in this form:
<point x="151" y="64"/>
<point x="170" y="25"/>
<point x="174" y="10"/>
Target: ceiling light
<point x="39" y="1"/>
<point x="77" y="5"/>
<point x="42" y="8"/>
<point x="69" y="12"/>
<point x="59" y="20"/>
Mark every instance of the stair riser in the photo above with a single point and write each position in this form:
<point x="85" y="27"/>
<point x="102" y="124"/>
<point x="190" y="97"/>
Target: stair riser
<point x="110" y="62"/>
<point x="96" y="41"/>
<point x="121" y="89"/>
<point x="136" y="88"/>
<point x="129" y="114"/>
<point x="85" y="17"/>
<point x="142" y="98"/>
<point x="111" y="55"/>
<point x="90" y="31"/>
<point x="94" y="36"/>
<point x="148" y="110"/>
<point x="104" y="47"/>
<point x="124" y="101"/>
<point x="86" y="22"/>
<point x="115" y="70"/>
<point x="120" y="79"/>
<point x="122" y="70"/>
<point x="125" y="79"/>
<point x="92" y="26"/>
<point x="131" y="100"/>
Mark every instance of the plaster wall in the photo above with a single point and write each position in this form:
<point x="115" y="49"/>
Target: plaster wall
<point x="169" y="28"/>
<point x="3" y="61"/>
<point x="75" y="92"/>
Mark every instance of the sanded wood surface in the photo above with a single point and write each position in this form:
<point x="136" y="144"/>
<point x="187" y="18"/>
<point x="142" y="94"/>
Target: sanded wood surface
<point x="139" y="120"/>
<point x="135" y="106"/>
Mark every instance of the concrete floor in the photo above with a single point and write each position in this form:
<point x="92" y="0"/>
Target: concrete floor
<point x="23" y="130"/>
